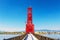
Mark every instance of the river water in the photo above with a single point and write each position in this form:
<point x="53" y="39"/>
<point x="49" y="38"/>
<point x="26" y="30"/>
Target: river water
<point x="55" y="36"/>
<point x="6" y="36"/>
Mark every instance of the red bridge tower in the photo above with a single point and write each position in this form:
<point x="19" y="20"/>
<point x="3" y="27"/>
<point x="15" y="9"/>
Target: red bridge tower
<point x="29" y="25"/>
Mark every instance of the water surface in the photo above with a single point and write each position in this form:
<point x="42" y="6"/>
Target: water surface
<point x="6" y="36"/>
<point x="55" y="36"/>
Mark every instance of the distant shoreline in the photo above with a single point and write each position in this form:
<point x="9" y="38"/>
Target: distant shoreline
<point x="11" y="32"/>
<point x="24" y="32"/>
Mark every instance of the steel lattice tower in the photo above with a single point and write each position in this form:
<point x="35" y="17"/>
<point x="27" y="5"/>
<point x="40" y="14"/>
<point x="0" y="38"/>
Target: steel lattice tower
<point x="29" y="25"/>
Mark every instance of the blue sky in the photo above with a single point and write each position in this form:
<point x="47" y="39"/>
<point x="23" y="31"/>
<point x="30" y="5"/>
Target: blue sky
<point x="13" y="14"/>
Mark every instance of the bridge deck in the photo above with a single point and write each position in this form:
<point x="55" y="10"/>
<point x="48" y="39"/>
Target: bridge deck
<point x="30" y="37"/>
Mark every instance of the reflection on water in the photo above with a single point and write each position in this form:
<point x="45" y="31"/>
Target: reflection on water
<point x="2" y="36"/>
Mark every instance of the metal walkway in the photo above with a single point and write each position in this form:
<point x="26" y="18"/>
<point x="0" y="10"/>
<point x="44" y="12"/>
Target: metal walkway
<point x="30" y="37"/>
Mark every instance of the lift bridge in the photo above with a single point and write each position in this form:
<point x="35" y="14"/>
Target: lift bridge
<point x="29" y="32"/>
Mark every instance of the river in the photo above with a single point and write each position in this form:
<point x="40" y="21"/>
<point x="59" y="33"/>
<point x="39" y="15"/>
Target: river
<point x="6" y="36"/>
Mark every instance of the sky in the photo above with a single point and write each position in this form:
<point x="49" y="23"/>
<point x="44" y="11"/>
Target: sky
<point x="13" y="14"/>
